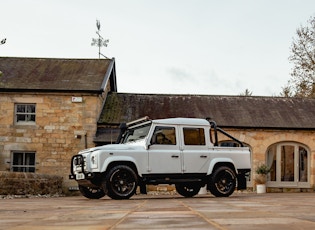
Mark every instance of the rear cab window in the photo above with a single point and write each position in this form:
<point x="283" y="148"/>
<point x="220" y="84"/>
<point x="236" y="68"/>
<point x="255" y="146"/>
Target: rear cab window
<point x="194" y="136"/>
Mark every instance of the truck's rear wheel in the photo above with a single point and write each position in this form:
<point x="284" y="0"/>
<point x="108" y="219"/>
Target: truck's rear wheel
<point x="222" y="182"/>
<point x="91" y="193"/>
<point x="187" y="190"/>
<point x="121" y="182"/>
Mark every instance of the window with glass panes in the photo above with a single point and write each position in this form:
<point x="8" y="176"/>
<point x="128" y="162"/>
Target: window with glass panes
<point x="290" y="164"/>
<point x="23" y="162"/>
<point x="194" y="136"/>
<point x="25" y="113"/>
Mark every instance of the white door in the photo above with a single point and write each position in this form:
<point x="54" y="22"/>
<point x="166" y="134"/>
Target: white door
<point x="194" y="149"/>
<point x="289" y="163"/>
<point x="164" y="152"/>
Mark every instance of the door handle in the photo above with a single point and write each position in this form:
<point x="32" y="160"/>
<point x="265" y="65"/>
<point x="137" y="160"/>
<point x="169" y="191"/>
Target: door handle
<point x="203" y="156"/>
<point x="174" y="156"/>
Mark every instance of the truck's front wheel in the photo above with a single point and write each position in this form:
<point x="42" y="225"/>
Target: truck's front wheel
<point x="91" y="193"/>
<point x="121" y="182"/>
<point x="187" y="190"/>
<point x="222" y="182"/>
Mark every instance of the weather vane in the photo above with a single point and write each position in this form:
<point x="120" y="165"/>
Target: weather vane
<point x="100" y="41"/>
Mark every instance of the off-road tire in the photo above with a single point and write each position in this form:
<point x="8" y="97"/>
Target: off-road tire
<point x="91" y="193"/>
<point x="121" y="182"/>
<point x="222" y="182"/>
<point x="187" y="190"/>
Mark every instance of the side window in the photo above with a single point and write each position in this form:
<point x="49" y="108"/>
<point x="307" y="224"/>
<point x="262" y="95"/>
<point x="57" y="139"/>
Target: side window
<point x="23" y="162"/>
<point x="194" y="136"/>
<point x="25" y="113"/>
<point x="164" y="135"/>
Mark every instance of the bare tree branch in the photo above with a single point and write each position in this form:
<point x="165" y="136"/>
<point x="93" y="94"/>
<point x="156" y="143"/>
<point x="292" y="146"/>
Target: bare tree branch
<point x="302" y="57"/>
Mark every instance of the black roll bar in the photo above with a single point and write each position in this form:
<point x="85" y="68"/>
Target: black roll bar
<point x="123" y="127"/>
<point x="213" y="125"/>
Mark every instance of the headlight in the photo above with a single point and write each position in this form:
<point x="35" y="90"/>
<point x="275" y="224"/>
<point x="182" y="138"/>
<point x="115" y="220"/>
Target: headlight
<point x="94" y="161"/>
<point x="78" y="160"/>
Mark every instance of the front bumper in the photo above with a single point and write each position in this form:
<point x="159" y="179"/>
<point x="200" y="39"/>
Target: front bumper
<point x="81" y="176"/>
<point x="78" y="169"/>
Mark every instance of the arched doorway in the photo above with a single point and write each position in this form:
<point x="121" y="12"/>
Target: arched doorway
<point x="290" y="165"/>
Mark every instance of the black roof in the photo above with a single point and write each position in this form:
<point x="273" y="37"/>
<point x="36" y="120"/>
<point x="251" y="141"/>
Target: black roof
<point x="227" y="111"/>
<point x="51" y="74"/>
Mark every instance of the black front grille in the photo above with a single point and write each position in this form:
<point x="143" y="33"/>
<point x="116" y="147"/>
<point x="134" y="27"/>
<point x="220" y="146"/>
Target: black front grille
<point x="77" y="161"/>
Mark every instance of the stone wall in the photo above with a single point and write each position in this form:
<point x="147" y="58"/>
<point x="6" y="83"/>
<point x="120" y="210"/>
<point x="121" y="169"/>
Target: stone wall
<point x="19" y="183"/>
<point x="260" y="140"/>
<point x="63" y="127"/>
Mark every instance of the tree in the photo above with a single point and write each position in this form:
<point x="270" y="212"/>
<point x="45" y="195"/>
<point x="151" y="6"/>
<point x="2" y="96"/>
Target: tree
<point x="246" y="93"/>
<point x="286" y="91"/>
<point x="302" y="82"/>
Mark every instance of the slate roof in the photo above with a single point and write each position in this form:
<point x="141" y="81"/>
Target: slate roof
<point x="227" y="111"/>
<point x="51" y="74"/>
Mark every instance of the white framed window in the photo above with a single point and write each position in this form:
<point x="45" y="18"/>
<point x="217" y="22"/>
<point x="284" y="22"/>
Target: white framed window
<point x="290" y="165"/>
<point x="25" y="114"/>
<point x="23" y="161"/>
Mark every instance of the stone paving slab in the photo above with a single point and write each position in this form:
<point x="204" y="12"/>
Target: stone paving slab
<point x="241" y="211"/>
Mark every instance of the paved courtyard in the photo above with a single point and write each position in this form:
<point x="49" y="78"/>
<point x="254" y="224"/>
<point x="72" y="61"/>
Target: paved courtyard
<point x="240" y="211"/>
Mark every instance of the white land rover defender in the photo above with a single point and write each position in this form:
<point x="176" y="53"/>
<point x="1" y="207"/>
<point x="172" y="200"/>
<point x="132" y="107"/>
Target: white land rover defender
<point x="180" y="151"/>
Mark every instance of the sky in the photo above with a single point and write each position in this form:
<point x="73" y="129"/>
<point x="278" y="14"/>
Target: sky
<point x="206" y="47"/>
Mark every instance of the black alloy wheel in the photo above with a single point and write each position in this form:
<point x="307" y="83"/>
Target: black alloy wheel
<point x="121" y="182"/>
<point x="222" y="182"/>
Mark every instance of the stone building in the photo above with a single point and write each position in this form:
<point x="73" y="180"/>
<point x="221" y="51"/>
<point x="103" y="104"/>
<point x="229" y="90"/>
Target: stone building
<point x="279" y="131"/>
<point x="52" y="108"/>
<point x="49" y="111"/>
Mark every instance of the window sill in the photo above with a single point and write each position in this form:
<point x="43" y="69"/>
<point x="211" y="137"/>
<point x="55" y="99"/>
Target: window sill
<point x="25" y="125"/>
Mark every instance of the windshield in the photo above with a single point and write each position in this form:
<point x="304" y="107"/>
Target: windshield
<point x="137" y="133"/>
